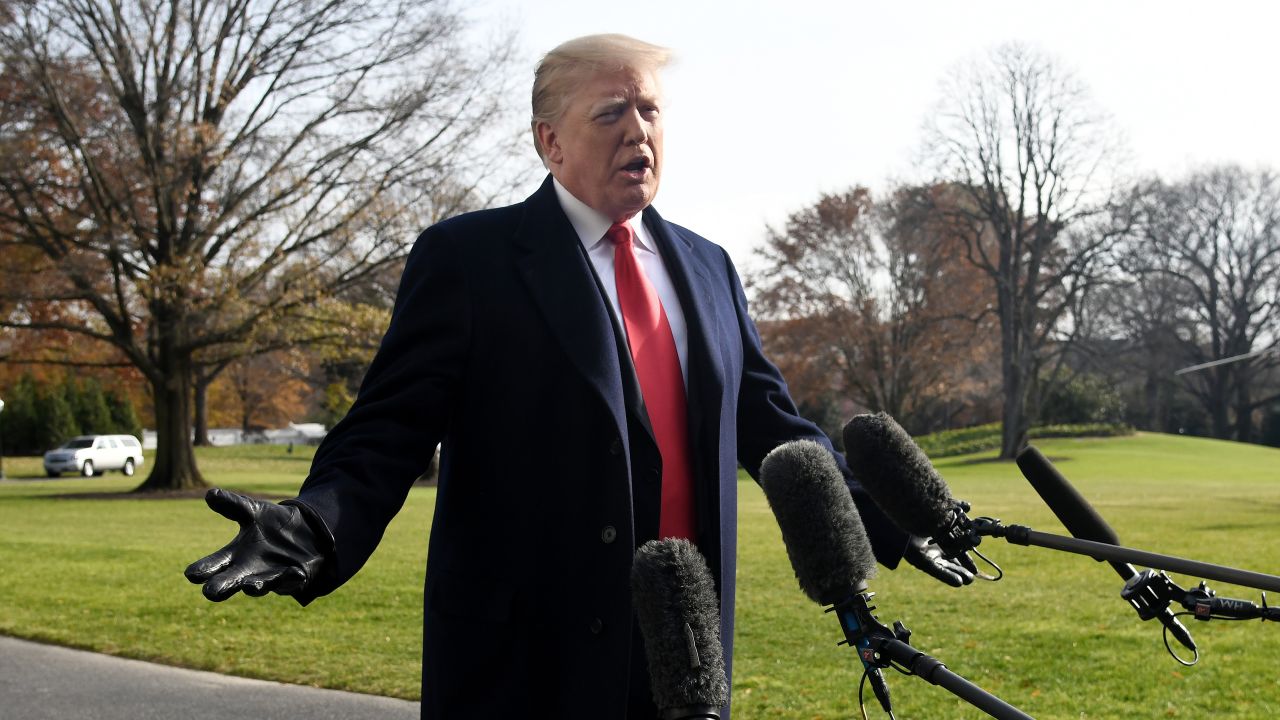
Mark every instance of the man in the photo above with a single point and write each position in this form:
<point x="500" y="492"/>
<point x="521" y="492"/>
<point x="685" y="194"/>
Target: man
<point x="595" y="379"/>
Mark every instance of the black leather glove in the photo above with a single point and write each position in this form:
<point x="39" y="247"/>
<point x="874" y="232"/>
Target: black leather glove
<point x="275" y="551"/>
<point x="928" y="557"/>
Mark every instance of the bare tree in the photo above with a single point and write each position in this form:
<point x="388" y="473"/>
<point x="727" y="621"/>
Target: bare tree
<point x="1028" y="158"/>
<point x="1144" y="324"/>
<point x="266" y="390"/>
<point x="859" y="301"/>
<point x="1213" y="242"/>
<point x="195" y="175"/>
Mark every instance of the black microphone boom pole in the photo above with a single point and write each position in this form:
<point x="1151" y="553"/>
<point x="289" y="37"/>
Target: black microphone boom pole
<point x="1022" y="535"/>
<point x="881" y="646"/>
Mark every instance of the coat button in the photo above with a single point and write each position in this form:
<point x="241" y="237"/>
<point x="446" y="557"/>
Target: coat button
<point x="608" y="534"/>
<point x="615" y="447"/>
<point x="596" y="625"/>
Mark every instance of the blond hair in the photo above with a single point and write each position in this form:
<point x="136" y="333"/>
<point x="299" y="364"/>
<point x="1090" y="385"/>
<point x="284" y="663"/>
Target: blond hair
<point x="569" y="63"/>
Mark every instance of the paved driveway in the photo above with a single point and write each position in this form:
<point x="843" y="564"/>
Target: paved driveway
<point x="46" y="682"/>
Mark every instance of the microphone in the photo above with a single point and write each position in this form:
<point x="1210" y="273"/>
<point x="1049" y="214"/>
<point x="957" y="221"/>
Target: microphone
<point x="679" y="616"/>
<point x="1083" y="521"/>
<point x="904" y="484"/>
<point x="1076" y="514"/>
<point x="823" y="533"/>
<point x="833" y="560"/>
<point x="821" y="528"/>
<point x="901" y="480"/>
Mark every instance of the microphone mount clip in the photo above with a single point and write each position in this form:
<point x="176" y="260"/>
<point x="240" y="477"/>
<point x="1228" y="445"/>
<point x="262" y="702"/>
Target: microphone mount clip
<point x="864" y="632"/>
<point x="1149" y="592"/>
<point x="960" y="535"/>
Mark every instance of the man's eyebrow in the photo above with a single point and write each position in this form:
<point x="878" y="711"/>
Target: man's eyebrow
<point x="609" y="103"/>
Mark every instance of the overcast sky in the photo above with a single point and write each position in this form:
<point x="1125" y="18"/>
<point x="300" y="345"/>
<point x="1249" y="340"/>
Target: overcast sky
<point x="770" y="104"/>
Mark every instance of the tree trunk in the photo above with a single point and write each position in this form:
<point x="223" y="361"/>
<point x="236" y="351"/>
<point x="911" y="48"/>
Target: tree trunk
<point x="175" y="462"/>
<point x="1219" y="404"/>
<point x="1244" y="413"/>
<point x="1014" y="421"/>
<point x="1151" y="393"/>
<point x="1218" y="416"/>
<point x="1013" y="348"/>
<point x="201" y="390"/>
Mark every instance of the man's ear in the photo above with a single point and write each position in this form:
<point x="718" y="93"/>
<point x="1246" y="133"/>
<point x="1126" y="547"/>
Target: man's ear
<point x="549" y="140"/>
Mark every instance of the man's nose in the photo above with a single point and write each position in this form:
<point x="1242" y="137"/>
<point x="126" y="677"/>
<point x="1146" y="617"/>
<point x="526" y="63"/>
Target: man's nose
<point x="636" y="127"/>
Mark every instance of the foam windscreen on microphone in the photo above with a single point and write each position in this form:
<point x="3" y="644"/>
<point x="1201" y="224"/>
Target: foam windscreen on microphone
<point x="679" y="615"/>
<point x="821" y="528"/>
<point x="898" y="475"/>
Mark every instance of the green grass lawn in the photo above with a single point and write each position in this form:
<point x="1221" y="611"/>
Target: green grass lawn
<point x="1053" y="637"/>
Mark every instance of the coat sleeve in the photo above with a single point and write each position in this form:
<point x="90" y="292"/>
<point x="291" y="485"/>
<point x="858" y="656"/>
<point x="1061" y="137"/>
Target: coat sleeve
<point x="364" y="468"/>
<point x="767" y="418"/>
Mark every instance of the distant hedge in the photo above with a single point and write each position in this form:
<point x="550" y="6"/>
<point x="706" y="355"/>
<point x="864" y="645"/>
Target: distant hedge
<point x="39" y="415"/>
<point x="981" y="438"/>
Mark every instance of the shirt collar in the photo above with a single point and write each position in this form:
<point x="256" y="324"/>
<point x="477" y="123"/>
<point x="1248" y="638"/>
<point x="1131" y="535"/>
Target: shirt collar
<point x="591" y="224"/>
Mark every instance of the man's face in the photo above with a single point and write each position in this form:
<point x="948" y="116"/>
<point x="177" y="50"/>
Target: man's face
<point x="606" y="148"/>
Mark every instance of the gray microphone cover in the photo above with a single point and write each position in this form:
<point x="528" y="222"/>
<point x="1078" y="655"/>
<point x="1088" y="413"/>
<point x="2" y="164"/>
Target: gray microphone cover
<point x="898" y="475"/>
<point x="821" y="528"/>
<point x="679" y="615"/>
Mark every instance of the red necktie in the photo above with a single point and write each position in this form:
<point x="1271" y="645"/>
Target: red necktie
<point x="653" y="352"/>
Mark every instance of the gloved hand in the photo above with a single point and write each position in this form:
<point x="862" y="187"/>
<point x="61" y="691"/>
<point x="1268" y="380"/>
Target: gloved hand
<point x="275" y="550"/>
<point x="928" y="557"/>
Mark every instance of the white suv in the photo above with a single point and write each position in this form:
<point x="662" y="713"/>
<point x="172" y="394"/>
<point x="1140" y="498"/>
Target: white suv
<point x="92" y="455"/>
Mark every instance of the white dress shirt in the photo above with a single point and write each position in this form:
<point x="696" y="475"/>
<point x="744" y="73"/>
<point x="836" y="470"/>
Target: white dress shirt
<point x="591" y="226"/>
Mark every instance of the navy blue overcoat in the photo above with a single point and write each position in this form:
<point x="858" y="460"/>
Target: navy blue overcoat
<point x="501" y="346"/>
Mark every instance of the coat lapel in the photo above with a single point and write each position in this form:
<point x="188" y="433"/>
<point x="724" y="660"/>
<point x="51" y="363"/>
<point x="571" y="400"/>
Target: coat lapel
<point x="563" y="286"/>
<point x="694" y="286"/>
